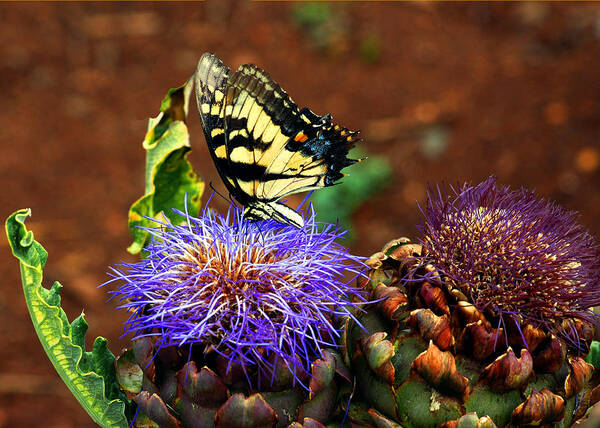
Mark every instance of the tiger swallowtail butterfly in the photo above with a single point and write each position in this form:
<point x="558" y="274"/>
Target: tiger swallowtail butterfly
<point x="263" y="146"/>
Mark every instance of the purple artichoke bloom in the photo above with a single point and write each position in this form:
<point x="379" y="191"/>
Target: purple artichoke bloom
<point x="514" y="256"/>
<point x="248" y="291"/>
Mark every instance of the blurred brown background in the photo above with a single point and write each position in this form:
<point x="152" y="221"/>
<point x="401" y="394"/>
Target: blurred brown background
<point x="448" y="92"/>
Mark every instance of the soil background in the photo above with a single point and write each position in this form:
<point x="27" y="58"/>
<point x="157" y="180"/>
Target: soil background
<point x="445" y="92"/>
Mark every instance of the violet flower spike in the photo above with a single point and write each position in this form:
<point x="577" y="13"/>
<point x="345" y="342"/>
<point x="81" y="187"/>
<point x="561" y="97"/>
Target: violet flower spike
<point x="247" y="290"/>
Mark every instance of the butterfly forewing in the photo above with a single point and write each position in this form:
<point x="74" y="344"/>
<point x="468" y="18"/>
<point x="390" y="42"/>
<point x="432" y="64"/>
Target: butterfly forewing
<point x="211" y="84"/>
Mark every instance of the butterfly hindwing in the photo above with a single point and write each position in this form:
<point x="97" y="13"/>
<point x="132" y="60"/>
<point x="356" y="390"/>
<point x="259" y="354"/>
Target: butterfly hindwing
<point x="266" y="148"/>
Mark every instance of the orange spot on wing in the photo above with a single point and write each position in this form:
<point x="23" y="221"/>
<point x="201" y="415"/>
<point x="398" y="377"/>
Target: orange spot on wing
<point x="301" y="137"/>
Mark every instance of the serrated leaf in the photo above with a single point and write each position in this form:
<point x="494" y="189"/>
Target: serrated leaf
<point x="89" y="375"/>
<point x="170" y="178"/>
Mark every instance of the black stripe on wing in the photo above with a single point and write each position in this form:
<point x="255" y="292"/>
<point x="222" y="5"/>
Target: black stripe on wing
<point x="211" y="84"/>
<point x="262" y="108"/>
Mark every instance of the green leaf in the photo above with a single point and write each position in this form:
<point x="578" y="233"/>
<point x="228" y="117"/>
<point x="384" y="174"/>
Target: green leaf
<point x="89" y="375"/>
<point x="169" y="176"/>
<point x="594" y="356"/>
<point x="363" y="181"/>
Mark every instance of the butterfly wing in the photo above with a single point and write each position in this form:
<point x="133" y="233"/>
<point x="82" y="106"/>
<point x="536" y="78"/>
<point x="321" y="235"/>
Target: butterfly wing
<point x="264" y="147"/>
<point x="211" y="86"/>
<point x="277" y="149"/>
<point x="259" y="120"/>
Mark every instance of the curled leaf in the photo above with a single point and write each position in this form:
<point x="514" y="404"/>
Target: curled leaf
<point x="90" y="376"/>
<point x="170" y="179"/>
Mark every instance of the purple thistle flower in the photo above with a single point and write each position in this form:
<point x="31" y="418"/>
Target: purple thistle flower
<point x="248" y="291"/>
<point x="514" y="255"/>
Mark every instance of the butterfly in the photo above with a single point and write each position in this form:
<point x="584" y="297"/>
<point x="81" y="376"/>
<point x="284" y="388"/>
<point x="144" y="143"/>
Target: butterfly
<point x="263" y="146"/>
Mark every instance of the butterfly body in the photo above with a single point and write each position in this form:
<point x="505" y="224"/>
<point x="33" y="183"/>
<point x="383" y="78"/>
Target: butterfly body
<point x="263" y="146"/>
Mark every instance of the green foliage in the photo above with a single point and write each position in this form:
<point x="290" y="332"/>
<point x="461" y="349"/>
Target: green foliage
<point x="370" y="49"/>
<point x="310" y="14"/>
<point x="594" y="356"/>
<point x="90" y="375"/>
<point x="170" y="178"/>
<point x="340" y="201"/>
<point x="327" y="28"/>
